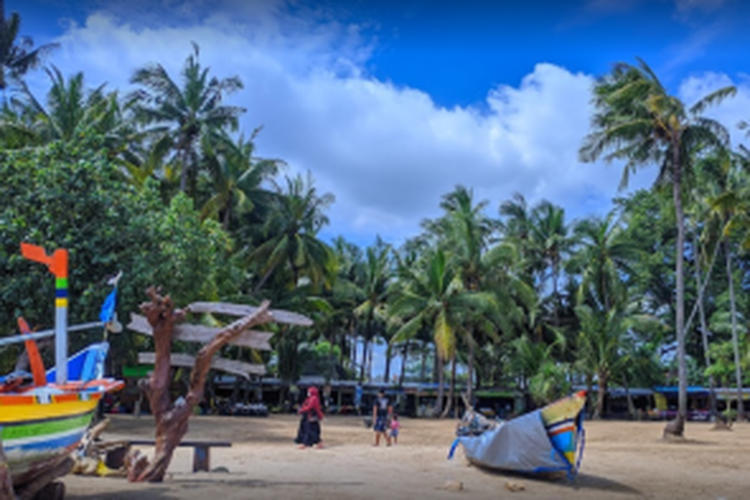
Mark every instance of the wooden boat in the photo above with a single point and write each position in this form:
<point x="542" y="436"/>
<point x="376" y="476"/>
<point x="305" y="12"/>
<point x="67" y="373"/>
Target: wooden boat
<point x="44" y="415"/>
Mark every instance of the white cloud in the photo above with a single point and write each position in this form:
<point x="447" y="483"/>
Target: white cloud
<point x="386" y="152"/>
<point x="730" y="111"/>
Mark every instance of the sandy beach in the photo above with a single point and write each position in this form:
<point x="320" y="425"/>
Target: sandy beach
<point x="624" y="460"/>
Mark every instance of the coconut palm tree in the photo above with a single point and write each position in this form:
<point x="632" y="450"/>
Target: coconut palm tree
<point x="552" y="243"/>
<point x="605" y="255"/>
<point x="602" y="341"/>
<point x="638" y="121"/>
<point x="374" y="278"/>
<point x="236" y="176"/>
<point x="730" y="186"/>
<point x="189" y="113"/>
<point x="291" y="235"/>
<point x="17" y="54"/>
<point x="71" y="114"/>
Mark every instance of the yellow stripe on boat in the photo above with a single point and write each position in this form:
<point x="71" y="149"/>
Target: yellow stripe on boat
<point x="13" y="413"/>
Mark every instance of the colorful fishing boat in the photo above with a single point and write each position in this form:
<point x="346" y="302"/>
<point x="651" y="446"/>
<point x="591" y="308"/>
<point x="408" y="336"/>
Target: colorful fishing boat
<point x="45" y="414"/>
<point x="548" y="440"/>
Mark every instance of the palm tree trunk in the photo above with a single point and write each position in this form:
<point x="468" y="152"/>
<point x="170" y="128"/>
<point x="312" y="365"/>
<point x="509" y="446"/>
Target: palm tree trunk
<point x="451" y="389"/>
<point x="601" y="394"/>
<point x="628" y="396"/>
<point x="369" y="362"/>
<point x="735" y="340"/>
<point x="678" y="426"/>
<point x="403" y="364"/>
<point x="589" y="391"/>
<point x="183" y="173"/>
<point x="704" y="324"/>
<point x="441" y="392"/>
<point x="470" y="372"/>
<point x="387" y="375"/>
<point x="363" y="366"/>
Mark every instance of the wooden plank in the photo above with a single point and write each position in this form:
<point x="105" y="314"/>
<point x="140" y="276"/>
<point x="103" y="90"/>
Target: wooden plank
<point x="254" y="339"/>
<point x="279" y="315"/>
<point x="226" y="365"/>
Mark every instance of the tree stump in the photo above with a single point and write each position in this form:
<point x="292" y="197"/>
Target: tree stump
<point x="674" y="428"/>
<point x="172" y="418"/>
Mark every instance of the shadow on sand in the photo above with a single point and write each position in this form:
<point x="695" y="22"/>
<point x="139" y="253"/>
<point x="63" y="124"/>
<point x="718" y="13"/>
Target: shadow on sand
<point x="581" y="482"/>
<point x="170" y="489"/>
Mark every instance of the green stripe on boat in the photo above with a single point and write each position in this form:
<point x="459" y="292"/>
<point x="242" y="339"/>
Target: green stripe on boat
<point x="43" y="428"/>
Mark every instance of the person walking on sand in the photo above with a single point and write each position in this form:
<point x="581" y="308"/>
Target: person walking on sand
<point x="395" y="427"/>
<point x="381" y="412"/>
<point x="309" y="432"/>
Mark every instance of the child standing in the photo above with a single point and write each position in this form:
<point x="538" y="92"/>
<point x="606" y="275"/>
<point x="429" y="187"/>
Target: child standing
<point x="395" y="427"/>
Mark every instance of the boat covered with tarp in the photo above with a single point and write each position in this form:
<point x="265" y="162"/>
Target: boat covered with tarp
<point x="547" y="440"/>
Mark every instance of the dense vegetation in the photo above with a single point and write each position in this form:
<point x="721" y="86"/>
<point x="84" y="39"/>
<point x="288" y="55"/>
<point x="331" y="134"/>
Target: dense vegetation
<point x="162" y="184"/>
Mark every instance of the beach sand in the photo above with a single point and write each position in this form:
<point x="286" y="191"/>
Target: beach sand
<point x="622" y="460"/>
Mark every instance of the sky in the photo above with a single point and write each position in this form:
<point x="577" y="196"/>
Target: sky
<point x="391" y="104"/>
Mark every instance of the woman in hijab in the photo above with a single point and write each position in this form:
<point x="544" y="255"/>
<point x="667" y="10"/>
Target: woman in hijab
<point x="312" y="414"/>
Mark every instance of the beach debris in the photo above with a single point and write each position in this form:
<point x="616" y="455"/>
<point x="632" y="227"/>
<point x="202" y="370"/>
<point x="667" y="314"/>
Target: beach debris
<point x="514" y="486"/>
<point x="453" y="485"/>
<point x="91" y="455"/>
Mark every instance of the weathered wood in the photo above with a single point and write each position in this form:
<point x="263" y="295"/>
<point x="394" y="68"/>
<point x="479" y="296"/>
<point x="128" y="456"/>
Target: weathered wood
<point x="279" y="315"/>
<point x="253" y="339"/>
<point x="226" y="365"/>
<point x="171" y="417"/>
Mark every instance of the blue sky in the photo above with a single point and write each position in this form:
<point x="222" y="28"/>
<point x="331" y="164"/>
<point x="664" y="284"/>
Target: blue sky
<point x="392" y="103"/>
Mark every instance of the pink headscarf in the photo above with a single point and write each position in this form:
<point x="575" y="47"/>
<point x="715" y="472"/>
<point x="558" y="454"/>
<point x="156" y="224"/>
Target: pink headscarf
<point x="312" y="403"/>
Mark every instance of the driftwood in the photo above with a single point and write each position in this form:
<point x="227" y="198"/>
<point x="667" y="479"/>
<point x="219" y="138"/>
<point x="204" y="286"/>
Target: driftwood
<point x="172" y="417"/>
<point x="226" y="365"/>
<point x="277" y="315"/>
<point x="253" y="339"/>
<point x="6" y="483"/>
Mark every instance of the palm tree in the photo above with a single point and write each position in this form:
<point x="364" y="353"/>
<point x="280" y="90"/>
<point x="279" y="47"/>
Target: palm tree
<point x="551" y="241"/>
<point x="638" y="121"/>
<point x="467" y="232"/>
<point x="72" y="111"/>
<point x="237" y="175"/>
<point x="17" y="54"/>
<point x="291" y="228"/>
<point x="189" y="114"/>
<point x="374" y="278"/>
<point x="606" y="253"/>
<point x="72" y="114"/>
<point x="601" y="343"/>
<point x="731" y="184"/>
<point x="433" y="297"/>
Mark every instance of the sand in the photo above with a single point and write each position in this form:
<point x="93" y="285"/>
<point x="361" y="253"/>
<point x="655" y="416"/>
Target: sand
<point x="622" y="460"/>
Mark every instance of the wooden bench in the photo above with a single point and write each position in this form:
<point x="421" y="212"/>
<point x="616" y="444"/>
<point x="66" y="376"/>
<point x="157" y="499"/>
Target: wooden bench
<point x="201" y="455"/>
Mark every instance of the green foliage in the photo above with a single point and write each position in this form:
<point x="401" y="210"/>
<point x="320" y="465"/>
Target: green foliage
<point x="63" y="197"/>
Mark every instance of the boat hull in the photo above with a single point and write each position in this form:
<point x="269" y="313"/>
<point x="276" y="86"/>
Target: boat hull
<point x="38" y="431"/>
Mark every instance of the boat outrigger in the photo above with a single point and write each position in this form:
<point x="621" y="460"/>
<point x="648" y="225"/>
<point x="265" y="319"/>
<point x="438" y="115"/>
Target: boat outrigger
<point x="44" y="415"/>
